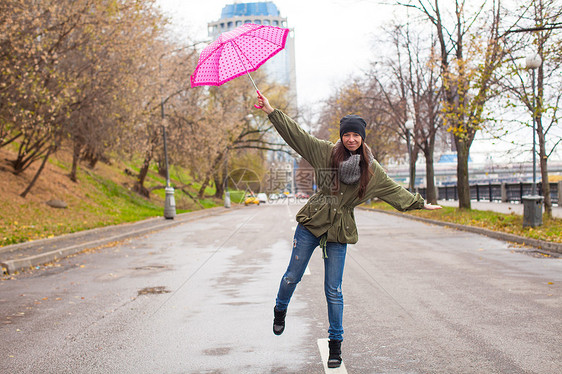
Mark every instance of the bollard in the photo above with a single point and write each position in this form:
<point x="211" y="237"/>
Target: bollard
<point x="170" y="204"/>
<point x="504" y="192"/>
<point x="532" y="211"/>
<point x="227" y="199"/>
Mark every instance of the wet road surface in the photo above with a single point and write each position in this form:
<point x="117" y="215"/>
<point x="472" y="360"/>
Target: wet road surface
<point x="198" y="298"/>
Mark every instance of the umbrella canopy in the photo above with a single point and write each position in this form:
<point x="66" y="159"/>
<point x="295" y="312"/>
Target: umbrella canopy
<point x="238" y="52"/>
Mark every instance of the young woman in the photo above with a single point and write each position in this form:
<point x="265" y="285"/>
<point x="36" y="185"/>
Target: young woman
<point x="347" y="175"/>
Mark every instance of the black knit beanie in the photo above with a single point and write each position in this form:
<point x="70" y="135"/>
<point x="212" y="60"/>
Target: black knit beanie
<point x="353" y="123"/>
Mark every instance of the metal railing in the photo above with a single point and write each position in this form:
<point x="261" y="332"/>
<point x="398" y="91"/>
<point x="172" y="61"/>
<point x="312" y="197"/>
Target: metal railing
<point x="500" y="192"/>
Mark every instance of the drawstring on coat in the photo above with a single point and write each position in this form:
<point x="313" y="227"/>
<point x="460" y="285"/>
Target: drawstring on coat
<point x="322" y="244"/>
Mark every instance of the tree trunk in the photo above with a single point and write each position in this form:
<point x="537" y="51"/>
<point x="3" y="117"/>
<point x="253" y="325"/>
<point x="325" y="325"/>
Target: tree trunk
<point x="139" y="186"/>
<point x="75" y="159"/>
<point x="463" y="185"/>
<point x="211" y="172"/>
<point x="219" y="183"/>
<point x="32" y="183"/>
<point x="162" y="167"/>
<point x="89" y="155"/>
<point x="430" y="177"/>
<point x="204" y="186"/>
<point x="30" y="150"/>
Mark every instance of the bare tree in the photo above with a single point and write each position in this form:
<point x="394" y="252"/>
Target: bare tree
<point x="409" y="82"/>
<point x="111" y="81"/>
<point x="229" y="127"/>
<point x="55" y="77"/>
<point x="359" y="98"/>
<point x="470" y="53"/>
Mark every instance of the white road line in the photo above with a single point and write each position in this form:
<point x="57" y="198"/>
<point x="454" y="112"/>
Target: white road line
<point x="324" y="353"/>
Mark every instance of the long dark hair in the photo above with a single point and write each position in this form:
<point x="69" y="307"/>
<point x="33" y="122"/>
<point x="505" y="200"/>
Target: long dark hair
<point x="340" y="154"/>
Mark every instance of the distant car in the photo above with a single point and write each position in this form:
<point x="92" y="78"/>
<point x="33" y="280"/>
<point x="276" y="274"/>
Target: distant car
<point x="302" y="195"/>
<point x="273" y="196"/>
<point x="251" y="199"/>
<point x="262" y="198"/>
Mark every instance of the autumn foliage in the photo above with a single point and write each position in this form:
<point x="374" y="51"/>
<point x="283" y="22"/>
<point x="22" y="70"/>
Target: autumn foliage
<point x="103" y="79"/>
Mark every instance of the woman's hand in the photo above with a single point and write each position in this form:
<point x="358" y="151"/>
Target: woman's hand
<point x="263" y="103"/>
<point x="431" y="207"/>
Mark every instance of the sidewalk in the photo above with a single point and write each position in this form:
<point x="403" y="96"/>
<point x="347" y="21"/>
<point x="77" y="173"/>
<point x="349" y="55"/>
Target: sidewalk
<point x="25" y="255"/>
<point x="506" y="208"/>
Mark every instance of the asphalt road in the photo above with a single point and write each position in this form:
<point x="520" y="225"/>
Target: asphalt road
<point x="198" y="298"/>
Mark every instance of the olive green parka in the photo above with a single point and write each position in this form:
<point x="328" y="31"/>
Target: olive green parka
<point x="329" y="213"/>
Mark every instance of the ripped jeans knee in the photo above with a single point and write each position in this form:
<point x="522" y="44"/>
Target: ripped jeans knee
<point x="304" y="243"/>
<point x="290" y="280"/>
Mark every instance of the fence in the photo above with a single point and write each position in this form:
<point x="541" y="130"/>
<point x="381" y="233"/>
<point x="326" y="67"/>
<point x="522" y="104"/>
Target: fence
<point x="501" y="192"/>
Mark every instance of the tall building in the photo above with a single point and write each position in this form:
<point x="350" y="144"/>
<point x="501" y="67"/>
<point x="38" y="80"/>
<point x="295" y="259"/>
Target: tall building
<point x="280" y="68"/>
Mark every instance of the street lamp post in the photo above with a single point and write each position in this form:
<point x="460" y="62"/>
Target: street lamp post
<point x="226" y="192"/>
<point x="170" y="201"/>
<point x="409" y="128"/>
<point x="532" y="209"/>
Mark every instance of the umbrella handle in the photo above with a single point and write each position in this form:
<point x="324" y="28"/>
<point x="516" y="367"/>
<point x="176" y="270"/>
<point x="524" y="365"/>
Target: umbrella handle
<point x="255" y="105"/>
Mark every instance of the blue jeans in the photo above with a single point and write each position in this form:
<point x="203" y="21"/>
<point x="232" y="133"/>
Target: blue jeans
<point x="304" y="244"/>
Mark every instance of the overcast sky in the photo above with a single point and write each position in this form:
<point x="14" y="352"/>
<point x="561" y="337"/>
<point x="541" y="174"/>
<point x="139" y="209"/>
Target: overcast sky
<point x="333" y="38"/>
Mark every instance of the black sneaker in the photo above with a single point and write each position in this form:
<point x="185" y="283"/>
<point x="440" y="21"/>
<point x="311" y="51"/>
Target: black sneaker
<point x="334" y="360"/>
<point x="279" y="321"/>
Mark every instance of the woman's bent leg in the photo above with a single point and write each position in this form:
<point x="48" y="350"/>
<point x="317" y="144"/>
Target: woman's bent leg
<point x="333" y="276"/>
<point x="304" y="244"/>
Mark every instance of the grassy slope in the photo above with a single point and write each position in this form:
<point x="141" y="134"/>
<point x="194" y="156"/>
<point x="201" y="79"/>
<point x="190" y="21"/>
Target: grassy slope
<point x="101" y="197"/>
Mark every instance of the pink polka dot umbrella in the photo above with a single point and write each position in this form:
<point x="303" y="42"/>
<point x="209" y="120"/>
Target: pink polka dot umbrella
<point x="238" y="52"/>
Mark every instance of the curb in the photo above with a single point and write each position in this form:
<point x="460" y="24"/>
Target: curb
<point x="535" y="243"/>
<point x="15" y="265"/>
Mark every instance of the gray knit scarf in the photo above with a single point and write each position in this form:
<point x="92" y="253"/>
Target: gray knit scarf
<point x="349" y="170"/>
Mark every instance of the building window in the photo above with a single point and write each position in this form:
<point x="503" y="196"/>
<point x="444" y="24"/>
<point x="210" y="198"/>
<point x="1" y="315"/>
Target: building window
<point x="276" y="23"/>
<point x="238" y="23"/>
<point x="257" y="22"/>
<point x="222" y="26"/>
<point x="230" y="25"/>
<point x="248" y="21"/>
<point x="266" y="22"/>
